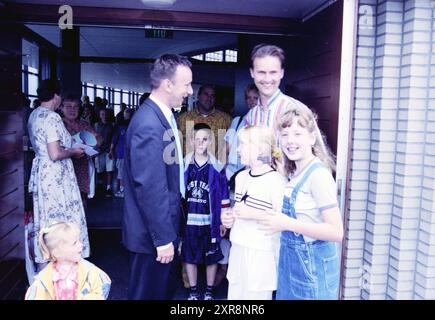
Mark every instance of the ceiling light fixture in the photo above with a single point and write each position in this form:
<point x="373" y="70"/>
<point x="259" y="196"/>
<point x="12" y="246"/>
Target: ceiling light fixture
<point x="158" y="3"/>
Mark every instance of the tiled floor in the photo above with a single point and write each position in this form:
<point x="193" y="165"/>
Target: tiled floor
<point x="104" y="220"/>
<point x="104" y="216"/>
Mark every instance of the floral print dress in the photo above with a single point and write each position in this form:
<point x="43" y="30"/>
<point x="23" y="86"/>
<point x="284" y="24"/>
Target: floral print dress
<point x="56" y="196"/>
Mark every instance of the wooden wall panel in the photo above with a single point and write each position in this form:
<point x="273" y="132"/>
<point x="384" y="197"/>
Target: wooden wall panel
<point x="315" y="80"/>
<point x="12" y="271"/>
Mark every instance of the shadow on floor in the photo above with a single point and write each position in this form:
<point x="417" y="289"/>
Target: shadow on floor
<point x="109" y="255"/>
<point x="104" y="216"/>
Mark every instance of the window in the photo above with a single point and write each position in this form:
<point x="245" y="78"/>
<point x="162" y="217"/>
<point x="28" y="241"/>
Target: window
<point x="117" y="97"/>
<point x="33" y="81"/>
<point x="215" y="56"/>
<point x="230" y="55"/>
<point x="227" y="55"/>
<point x="100" y="92"/>
<point x="125" y="97"/>
<point x="90" y="92"/>
<point x="30" y="72"/>
<point x="198" y="57"/>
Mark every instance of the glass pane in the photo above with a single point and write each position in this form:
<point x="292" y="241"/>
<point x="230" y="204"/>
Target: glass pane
<point x="30" y="54"/>
<point x="231" y="55"/>
<point x="214" y="56"/>
<point x="198" y="57"/>
<point x="90" y="93"/>
<point x="23" y="83"/>
<point x="33" y="84"/>
<point x="117" y="109"/>
<point x="100" y="92"/>
<point x="125" y="98"/>
<point x="117" y="99"/>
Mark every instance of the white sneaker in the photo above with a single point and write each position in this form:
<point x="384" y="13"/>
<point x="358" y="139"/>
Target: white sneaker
<point x="119" y="194"/>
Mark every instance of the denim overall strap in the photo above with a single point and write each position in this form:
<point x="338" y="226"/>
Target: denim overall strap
<point x="289" y="204"/>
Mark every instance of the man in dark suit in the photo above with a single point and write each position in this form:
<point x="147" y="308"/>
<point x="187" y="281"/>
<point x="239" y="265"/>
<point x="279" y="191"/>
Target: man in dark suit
<point x="153" y="184"/>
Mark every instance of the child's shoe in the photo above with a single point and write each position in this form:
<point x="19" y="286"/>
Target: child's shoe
<point x="193" y="296"/>
<point x="119" y="194"/>
<point x="208" y="295"/>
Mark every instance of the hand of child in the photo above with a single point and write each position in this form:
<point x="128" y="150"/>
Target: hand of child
<point x="222" y="230"/>
<point x="274" y="222"/>
<point x="227" y="218"/>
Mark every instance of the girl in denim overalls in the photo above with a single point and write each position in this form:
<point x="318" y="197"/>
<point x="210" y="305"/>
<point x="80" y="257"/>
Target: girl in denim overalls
<point x="311" y="224"/>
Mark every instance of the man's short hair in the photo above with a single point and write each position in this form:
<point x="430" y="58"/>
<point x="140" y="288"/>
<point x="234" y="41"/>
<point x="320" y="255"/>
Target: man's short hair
<point x="263" y="50"/>
<point x="165" y="67"/>
<point x="47" y="89"/>
<point x="205" y="86"/>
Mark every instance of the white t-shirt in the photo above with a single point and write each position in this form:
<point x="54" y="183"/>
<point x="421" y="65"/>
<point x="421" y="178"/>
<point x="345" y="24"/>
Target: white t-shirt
<point x="316" y="194"/>
<point x="264" y="192"/>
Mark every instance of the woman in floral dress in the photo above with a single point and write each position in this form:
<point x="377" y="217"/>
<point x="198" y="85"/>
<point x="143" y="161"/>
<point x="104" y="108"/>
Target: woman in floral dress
<point x="56" y="196"/>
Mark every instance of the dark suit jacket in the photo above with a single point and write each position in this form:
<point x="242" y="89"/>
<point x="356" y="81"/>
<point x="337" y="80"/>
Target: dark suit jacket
<point x="151" y="186"/>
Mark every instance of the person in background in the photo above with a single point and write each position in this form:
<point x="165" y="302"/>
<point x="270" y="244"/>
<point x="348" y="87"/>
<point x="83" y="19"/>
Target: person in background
<point x="103" y="163"/>
<point x="206" y="112"/>
<point x="119" y="118"/>
<point x="117" y="148"/>
<point x="68" y="276"/>
<point x="83" y="167"/>
<point x="233" y="164"/>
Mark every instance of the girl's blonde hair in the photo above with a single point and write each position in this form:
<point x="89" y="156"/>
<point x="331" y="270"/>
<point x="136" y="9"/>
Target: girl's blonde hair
<point x="307" y="119"/>
<point x="56" y="234"/>
<point x="264" y="138"/>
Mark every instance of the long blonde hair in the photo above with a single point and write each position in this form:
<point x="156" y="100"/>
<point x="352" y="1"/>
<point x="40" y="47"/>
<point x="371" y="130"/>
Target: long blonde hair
<point x="264" y="138"/>
<point x="307" y="119"/>
<point x="53" y="236"/>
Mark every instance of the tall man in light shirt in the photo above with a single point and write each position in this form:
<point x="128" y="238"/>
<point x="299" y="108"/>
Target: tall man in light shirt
<point x="153" y="185"/>
<point x="267" y="70"/>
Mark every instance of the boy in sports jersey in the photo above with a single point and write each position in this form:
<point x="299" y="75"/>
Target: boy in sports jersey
<point x="207" y="197"/>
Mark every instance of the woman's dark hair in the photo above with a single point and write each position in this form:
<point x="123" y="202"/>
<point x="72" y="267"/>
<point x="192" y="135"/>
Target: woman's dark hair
<point x="47" y="89"/>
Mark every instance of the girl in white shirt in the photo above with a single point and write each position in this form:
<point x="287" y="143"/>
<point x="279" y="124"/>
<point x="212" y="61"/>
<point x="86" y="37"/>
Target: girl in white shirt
<point x="253" y="260"/>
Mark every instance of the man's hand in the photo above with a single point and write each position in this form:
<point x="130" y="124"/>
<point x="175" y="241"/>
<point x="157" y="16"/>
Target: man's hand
<point x="166" y="255"/>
